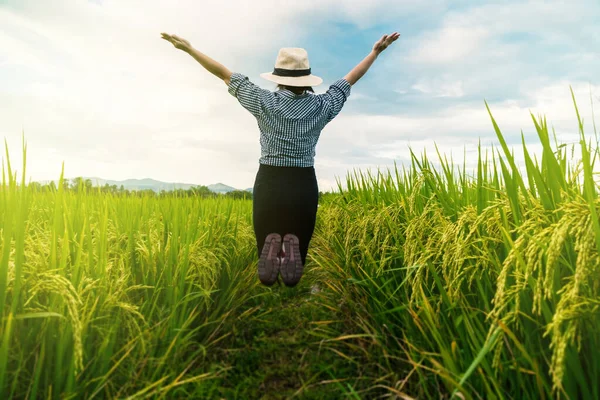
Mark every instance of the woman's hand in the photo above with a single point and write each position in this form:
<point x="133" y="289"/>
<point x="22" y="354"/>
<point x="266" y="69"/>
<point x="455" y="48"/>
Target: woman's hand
<point x="178" y="42"/>
<point x="208" y="63"/>
<point x="357" y="72"/>
<point x="384" y="42"/>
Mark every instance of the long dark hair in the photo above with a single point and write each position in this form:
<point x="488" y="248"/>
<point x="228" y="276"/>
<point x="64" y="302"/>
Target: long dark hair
<point x="296" y="89"/>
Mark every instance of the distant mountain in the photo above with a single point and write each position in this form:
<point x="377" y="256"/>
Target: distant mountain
<point x="142" y="184"/>
<point x="220" y="188"/>
<point x="152" y="184"/>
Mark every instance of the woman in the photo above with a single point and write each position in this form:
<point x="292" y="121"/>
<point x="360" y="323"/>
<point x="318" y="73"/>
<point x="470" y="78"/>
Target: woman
<point x="290" y="120"/>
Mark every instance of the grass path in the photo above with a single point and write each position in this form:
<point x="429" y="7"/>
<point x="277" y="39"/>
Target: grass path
<point x="279" y="352"/>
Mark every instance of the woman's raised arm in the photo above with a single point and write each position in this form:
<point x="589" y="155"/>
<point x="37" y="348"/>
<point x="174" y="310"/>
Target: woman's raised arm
<point x="357" y="72"/>
<point x="208" y="63"/>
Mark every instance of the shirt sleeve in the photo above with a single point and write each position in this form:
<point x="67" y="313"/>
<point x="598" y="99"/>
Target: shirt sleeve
<point x="335" y="97"/>
<point x="249" y="95"/>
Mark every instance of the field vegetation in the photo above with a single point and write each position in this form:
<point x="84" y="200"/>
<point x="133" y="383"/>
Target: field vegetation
<point x="426" y="281"/>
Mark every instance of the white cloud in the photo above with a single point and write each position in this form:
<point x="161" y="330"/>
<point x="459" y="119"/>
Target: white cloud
<point x="94" y="85"/>
<point x="456" y="130"/>
<point x="439" y="87"/>
<point x="97" y="87"/>
<point x="449" y="44"/>
<point x="480" y="30"/>
<point x="360" y="96"/>
<point x="12" y="46"/>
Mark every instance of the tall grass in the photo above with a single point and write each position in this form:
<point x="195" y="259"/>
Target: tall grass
<point x="478" y="286"/>
<point x="105" y="296"/>
<point x="483" y="285"/>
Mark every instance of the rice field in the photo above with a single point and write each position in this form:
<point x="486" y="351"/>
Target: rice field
<point x="428" y="281"/>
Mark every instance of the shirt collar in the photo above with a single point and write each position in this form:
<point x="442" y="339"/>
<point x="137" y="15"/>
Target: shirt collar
<point x="291" y="95"/>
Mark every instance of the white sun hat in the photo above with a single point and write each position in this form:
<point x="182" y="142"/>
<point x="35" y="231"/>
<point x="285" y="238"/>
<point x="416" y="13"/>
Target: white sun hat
<point x="292" y="69"/>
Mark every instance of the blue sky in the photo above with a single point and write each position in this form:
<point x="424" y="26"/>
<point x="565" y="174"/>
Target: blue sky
<point x="93" y="85"/>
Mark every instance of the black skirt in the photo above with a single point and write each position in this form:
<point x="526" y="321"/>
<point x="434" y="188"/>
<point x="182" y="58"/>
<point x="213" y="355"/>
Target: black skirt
<point x="285" y="201"/>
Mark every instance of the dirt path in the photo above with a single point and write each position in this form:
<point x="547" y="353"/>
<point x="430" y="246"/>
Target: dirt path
<point x="279" y="352"/>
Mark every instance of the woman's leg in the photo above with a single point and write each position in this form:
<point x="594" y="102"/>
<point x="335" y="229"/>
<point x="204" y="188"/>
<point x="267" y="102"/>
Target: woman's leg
<point x="301" y="209"/>
<point x="300" y="225"/>
<point x="285" y="201"/>
<point x="263" y="209"/>
<point x="265" y="221"/>
<point x="306" y="216"/>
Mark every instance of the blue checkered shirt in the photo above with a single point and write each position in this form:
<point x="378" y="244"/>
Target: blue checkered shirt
<point x="290" y="124"/>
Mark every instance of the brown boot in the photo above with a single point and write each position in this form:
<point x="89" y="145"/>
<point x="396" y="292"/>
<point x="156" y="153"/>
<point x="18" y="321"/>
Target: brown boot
<point x="268" y="263"/>
<point x="291" y="264"/>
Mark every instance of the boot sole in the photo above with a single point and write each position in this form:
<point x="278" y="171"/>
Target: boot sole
<point x="291" y="265"/>
<point x="268" y="263"/>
